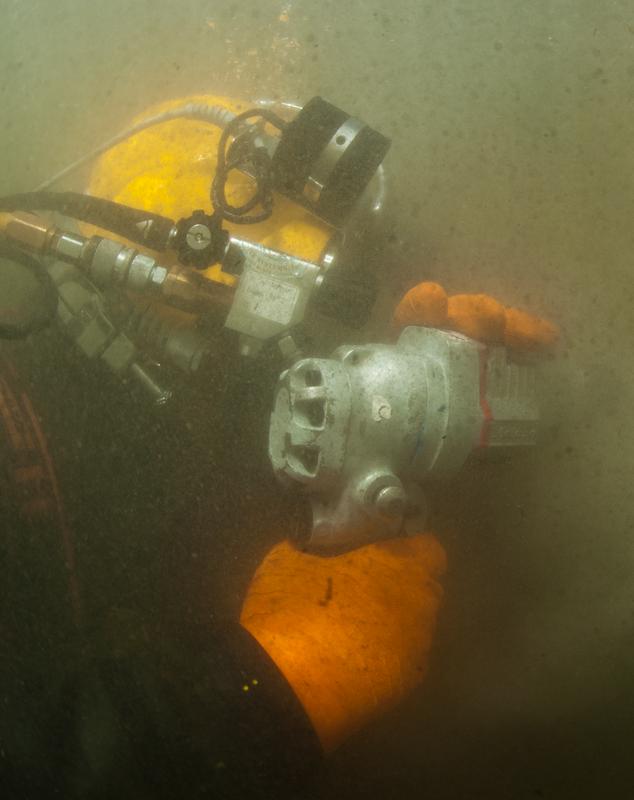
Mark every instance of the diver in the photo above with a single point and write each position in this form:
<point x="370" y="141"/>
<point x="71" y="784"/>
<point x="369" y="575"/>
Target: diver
<point x="215" y="617"/>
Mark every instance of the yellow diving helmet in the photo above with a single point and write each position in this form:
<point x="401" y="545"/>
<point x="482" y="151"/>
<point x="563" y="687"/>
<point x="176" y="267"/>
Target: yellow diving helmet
<point x="166" y="168"/>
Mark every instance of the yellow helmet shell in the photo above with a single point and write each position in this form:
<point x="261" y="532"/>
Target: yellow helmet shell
<point x="168" y="169"/>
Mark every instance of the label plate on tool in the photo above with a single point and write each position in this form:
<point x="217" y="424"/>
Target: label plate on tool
<point x="269" y="298"/>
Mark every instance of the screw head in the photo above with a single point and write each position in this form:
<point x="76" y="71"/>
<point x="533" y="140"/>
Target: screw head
<point x="198" y="237"/>
<point x="391" y="501"/>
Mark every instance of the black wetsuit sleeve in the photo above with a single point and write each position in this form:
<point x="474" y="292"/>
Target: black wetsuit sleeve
<point x="210" y="716"/>
<point x="154" y="707"/>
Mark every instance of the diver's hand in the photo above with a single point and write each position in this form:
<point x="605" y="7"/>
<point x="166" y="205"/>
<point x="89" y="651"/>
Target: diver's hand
<point x="351" y="633"/>
<point x="479" y="316"/>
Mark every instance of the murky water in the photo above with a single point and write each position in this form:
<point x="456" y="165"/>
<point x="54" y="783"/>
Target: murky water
<point x="510" y="173"/>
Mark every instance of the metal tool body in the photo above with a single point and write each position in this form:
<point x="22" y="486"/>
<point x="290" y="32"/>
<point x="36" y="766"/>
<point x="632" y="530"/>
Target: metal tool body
<point x="363" y="430"/>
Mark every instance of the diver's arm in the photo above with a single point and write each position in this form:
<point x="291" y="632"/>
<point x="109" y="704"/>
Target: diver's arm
<point x="353" y="633"/>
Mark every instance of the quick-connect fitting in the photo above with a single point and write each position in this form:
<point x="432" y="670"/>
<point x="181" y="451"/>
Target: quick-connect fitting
<point x="110" y="263"/>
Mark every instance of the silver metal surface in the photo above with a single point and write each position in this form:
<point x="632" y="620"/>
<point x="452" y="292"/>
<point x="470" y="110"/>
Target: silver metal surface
<point x="82" y="314"/>
<point x="159" y="395"/>
<point x="81" y="311"/>
<point x="115" y="264"/>
<point x="363" y="430"/>
<point x="69" y="247"/>
<point x="272" y="294"/>
<point x="280" y="106"/>
<point x="111" y="262"/>
<point x="198" y="236"/>
<point x="172" y="334"/>
<point x="391" y="500"/>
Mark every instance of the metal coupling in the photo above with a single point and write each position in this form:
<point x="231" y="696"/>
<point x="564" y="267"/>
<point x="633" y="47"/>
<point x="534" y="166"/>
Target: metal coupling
<point x="112" y="263"/>
<point x="172" y="335"/>
<point x="28" y="230"/>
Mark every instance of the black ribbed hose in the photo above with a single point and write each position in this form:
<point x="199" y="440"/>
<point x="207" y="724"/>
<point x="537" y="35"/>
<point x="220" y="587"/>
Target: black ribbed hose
<point x="142" y="227"/>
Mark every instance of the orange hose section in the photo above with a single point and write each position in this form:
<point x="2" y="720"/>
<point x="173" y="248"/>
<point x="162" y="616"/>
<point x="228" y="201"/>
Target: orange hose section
<point x="476" y="315"/>
<point x="351" y="633"/>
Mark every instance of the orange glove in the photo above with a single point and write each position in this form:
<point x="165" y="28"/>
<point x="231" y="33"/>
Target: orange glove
<point x="352" y="633"/>
<point x="476" y="315"/>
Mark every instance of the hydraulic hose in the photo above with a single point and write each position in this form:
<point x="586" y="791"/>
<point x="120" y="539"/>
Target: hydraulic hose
<point x="142" y="227"/>
<point x="20" y="330"/>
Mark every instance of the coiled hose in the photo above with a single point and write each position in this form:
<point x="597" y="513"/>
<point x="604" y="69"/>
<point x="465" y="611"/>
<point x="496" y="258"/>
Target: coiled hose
<point x="20" y="330"/>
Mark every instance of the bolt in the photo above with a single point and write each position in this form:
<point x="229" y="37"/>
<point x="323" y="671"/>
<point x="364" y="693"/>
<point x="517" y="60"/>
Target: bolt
<point x="198" y="236"/>
<point x="159" y="395"/>
<point x="158" y="276"/>
<point x="391" y="501"/>
<point x="381" y="408"/>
